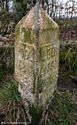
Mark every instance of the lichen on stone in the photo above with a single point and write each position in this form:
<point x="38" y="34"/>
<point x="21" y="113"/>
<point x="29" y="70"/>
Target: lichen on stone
<point x="48" y="58"/>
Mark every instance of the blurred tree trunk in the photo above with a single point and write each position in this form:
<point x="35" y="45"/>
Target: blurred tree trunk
<point x="4" y="5"/>
<point x="41" y="1"/>
<point x="7" y="5"/>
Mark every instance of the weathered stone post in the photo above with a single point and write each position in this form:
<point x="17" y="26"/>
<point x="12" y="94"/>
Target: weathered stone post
<point x="34" y="59"/>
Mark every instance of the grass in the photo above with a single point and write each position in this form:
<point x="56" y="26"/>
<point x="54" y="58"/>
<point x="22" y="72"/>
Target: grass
<point x="11" y="104"/>
<point x="1" y="71"/>
<point x="65" y="107"/>
<point x="36" y="114"/>
<point x="9" y="92"/>
<point x="68" y="60"/>
<point x="63" y="110"/>
<point x="7" y="59"/>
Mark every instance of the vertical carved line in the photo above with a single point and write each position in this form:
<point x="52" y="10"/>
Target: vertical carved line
<point x="37" y="35"/>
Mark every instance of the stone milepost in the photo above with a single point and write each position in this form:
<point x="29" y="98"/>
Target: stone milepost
<point x="29" y="59"/>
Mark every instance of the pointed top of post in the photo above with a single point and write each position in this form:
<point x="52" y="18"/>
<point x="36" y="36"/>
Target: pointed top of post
<point x="46" y="22"/>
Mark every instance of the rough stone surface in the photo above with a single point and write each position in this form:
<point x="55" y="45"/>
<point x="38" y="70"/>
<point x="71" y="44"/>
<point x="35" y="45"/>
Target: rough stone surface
<point x="25" y="52"/>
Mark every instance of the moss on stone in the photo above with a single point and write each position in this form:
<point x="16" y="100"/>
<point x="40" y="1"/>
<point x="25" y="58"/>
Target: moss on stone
<point x="27" y="35"/>
<point x="48" y="45"/>
<point x="17" y="31"/>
